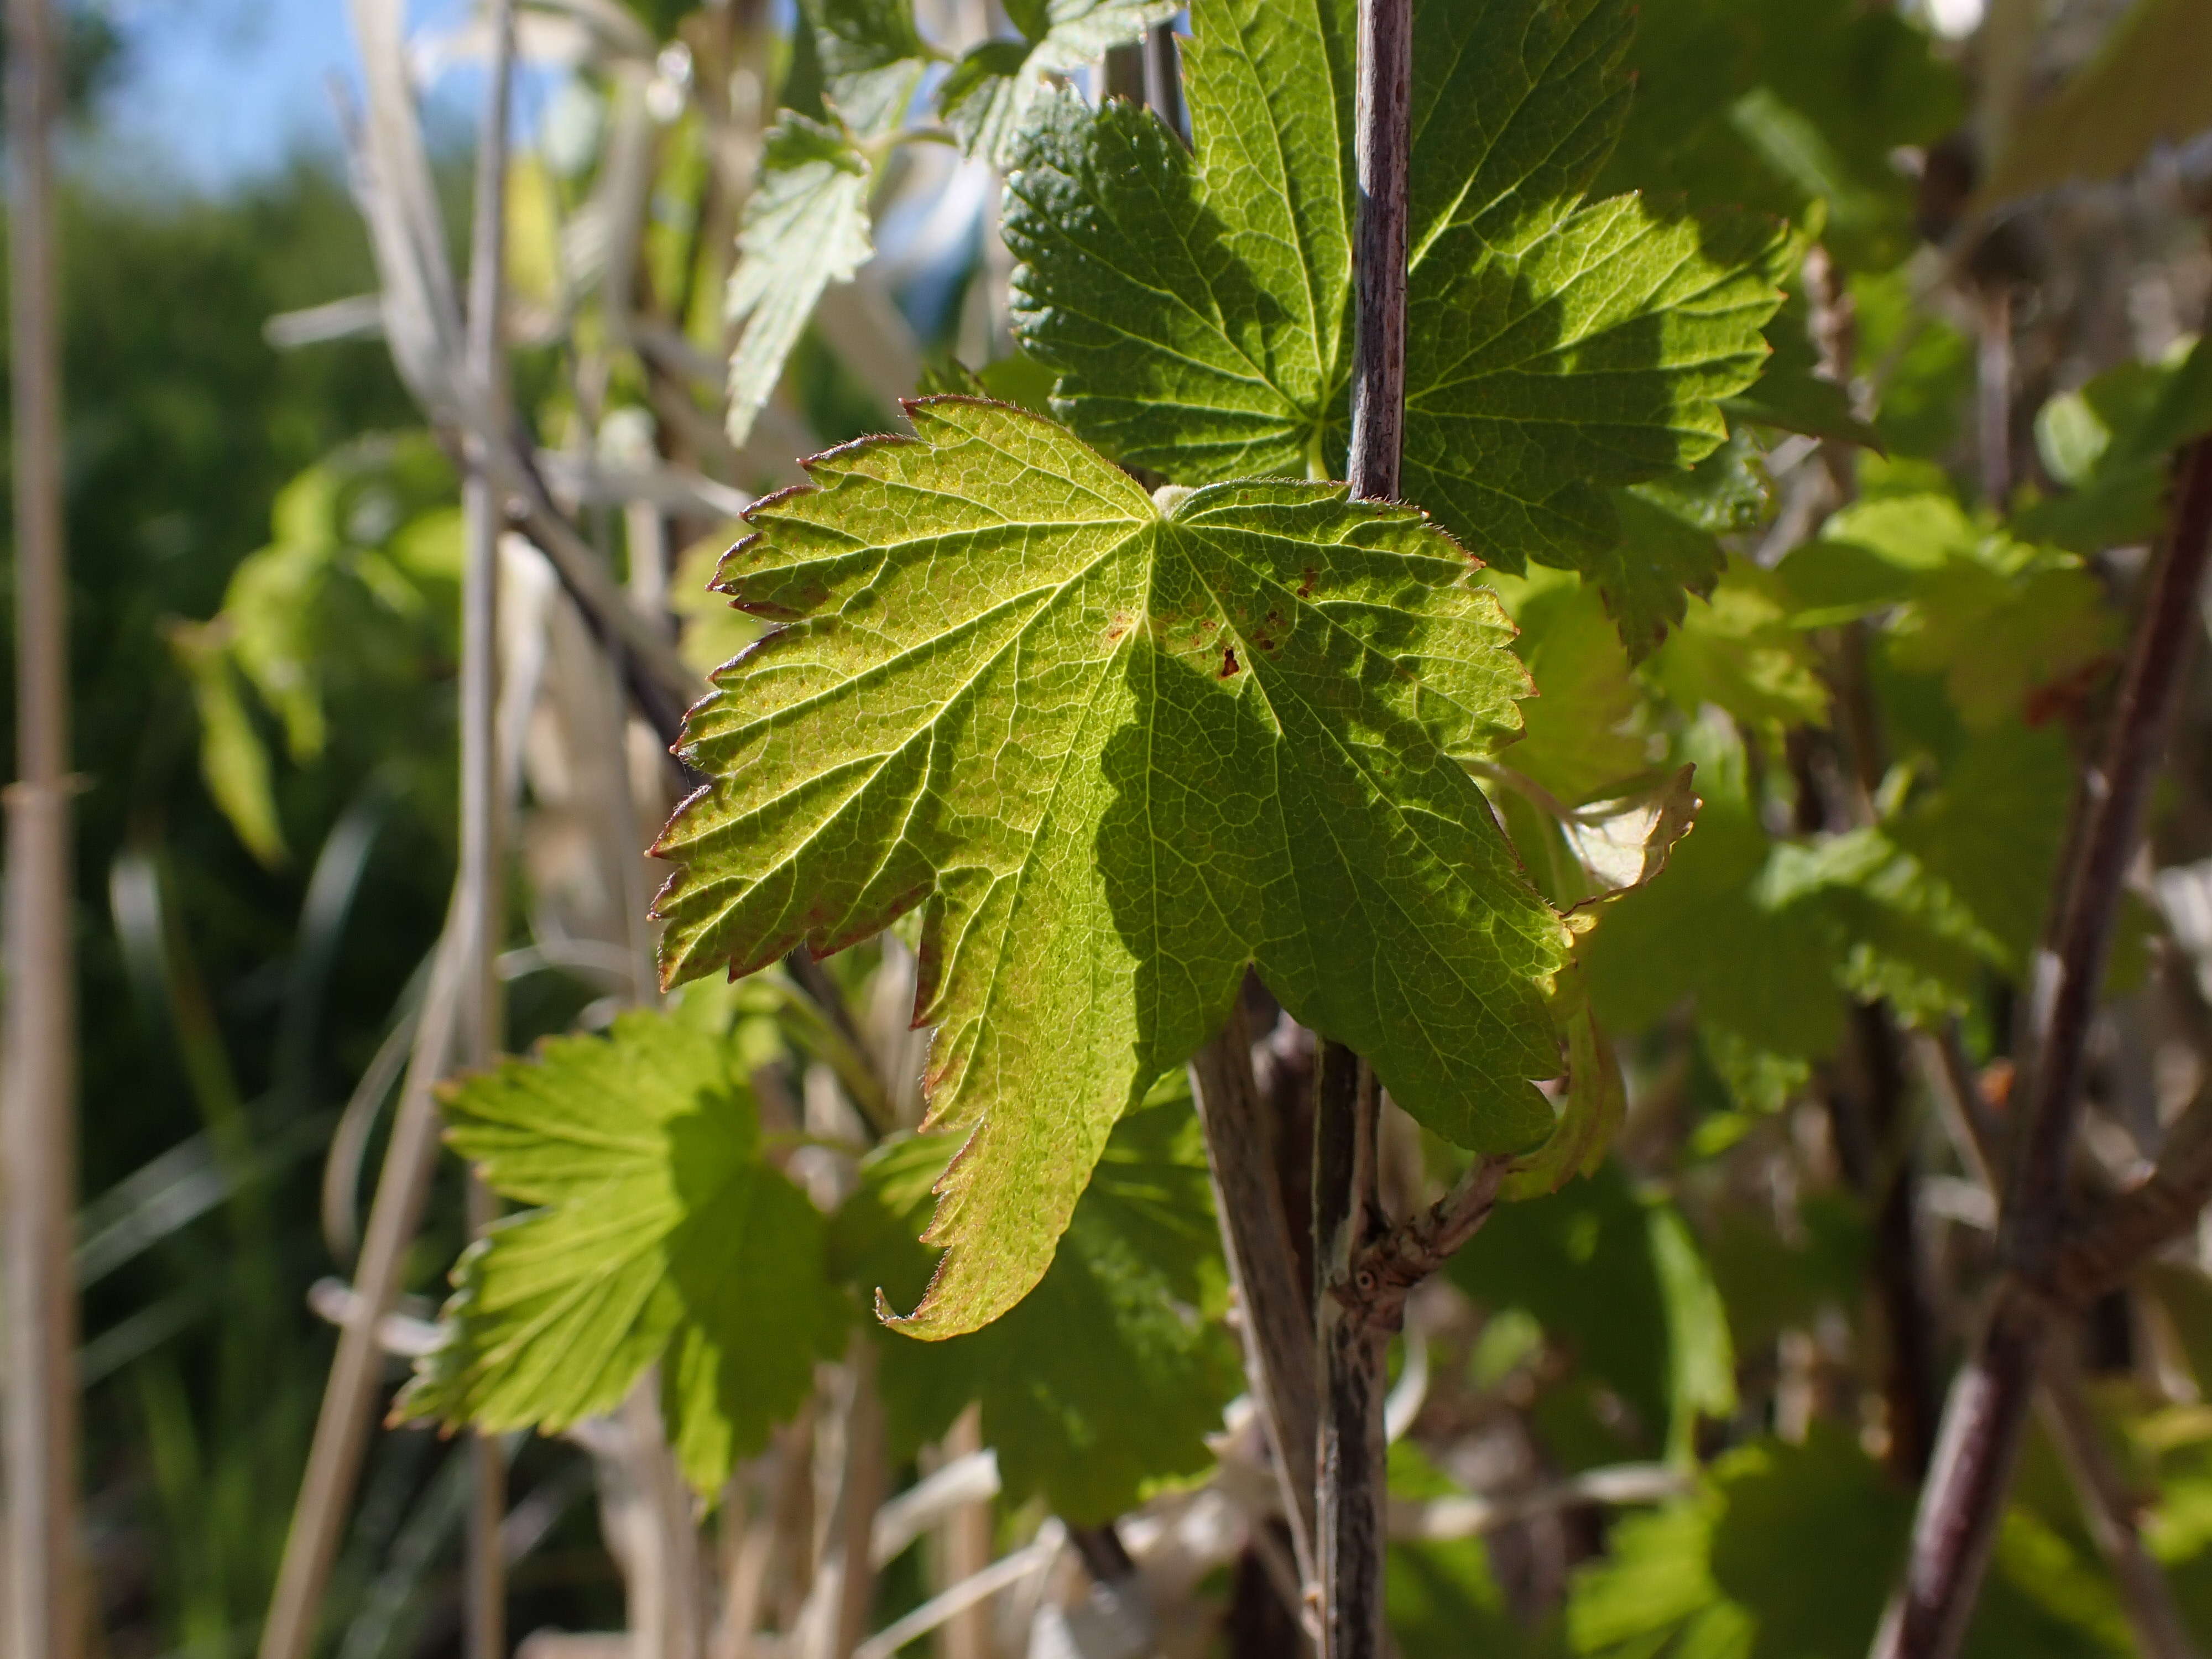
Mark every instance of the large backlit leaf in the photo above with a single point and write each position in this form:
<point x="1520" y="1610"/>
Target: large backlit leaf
<point x="659" y="1235"/>
<point x="1121" y="749"/>
<point x="1198" y="307"/>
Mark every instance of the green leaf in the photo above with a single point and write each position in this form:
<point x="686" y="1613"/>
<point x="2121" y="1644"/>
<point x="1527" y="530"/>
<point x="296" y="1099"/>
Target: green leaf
<point x="1788" y="1552"/>
<point x="1740" y="652"/>
<point x="1018" y="380"/>
<point x="2003" y="641"/>
<point x="1897" y="934"/>
<point x="1597" y="356"/>
<point x="1197" y="306"/>
<point x="234" y="760"/>
<point x="873" y="58"/>
<point x="994" y="89"/>
<point x="1874" y="555"/>
<point x="1590" y="1115"/>
<point x="1576" y="743"/>
<point x="660" y="1237"/>
<point x="1122" y="750"/>
<point x="1619" y="1281"/>
<point x="1112" y="1372"/>
<point x="1991" y="831"/>
<point x="1792" y="395"/>
<point x="1648" y="578"/>
<point x="2141" y="88"/>
<point x="1788" y="106"/>
<point x="806" y="228"/>
<point x="2113" y="442"/>
<point x="1762" y="977"/>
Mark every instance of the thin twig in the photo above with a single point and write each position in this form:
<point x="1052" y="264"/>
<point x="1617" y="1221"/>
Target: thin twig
<point x="2185" y="1169"/>
<point x="1955" y="1527"/>
<point x="482" y="884"/>
<point x="1390" y="1267"/>
<point x="38" y="1149"/>
<point x="2097" y="1254"/>
<point x="342" y="1426"/>
<point x="1007" y="1570"/>
<point x="1440" y="1519"/>
<point x="2110" y="1509"/>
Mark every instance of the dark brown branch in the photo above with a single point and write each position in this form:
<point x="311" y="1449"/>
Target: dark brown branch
<point x="1347" y="1103"/>
<point x="1350" y="1459"/>
<point x="1277" y="1317"/>
<point x="1378" y="340"/>
<point x="1389" y="1269"/>
<point x="1870" y="1108"/>
<point x="1960" y="1505"/>
<point x="1163" y="80"/>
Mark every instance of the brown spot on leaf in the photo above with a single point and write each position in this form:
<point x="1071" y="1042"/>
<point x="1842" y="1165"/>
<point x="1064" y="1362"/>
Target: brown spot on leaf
<point x="1229" y="664"/>
<point x="1307" y="577"/>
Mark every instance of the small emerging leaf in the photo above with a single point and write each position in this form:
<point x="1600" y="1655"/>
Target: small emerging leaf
<point x="806" y="228"/>
<point x="989" y="96"/>
<point x="873" y="58"/>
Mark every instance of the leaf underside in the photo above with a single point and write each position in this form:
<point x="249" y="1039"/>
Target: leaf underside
<point x="1117" y="755"/>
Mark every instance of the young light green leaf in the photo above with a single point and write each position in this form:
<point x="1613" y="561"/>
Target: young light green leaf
<point x="992" y="91"/>
<point x="2002" y="639"/>
<point x="1576" y="743"/>
<point x="806" y="228"/>
<point x="1740" y="652"/>
<point x="659" y="1235"/>
<point x="1595" y="1106"/>
<point x="1113" y="1371"/>
<point x="1120" y="752"/>
<point x="1991" y="831"/>
<point x="2112" y="443"/>
<point x="1197" y="306"/>
<point x="872" y="59"/>
<point x="1897" y="934"/>
<point x="1763" y="978"/>
<point x="234" y="760"/>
